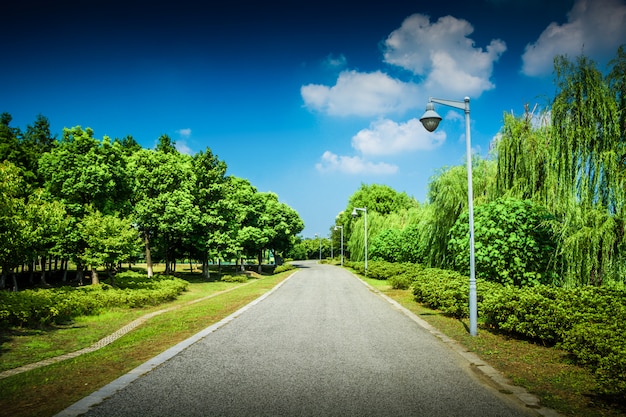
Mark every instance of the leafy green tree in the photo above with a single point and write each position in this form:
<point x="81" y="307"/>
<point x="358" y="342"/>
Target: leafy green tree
<point x="387" y="246"/>
<point x="574" y="166"/>
<point x="447" y="199"/>
<point x="210" y="238"/>
<point x="46" y="227"/>
<point x="37" y="140"/>
<point x="513" y="244"/>
<point x="165" y="144"/>
<point x="163" y="203"/>
<point x="13" y="239"/>
<point x="109" y="241"/>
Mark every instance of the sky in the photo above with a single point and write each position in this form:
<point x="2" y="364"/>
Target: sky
<point x="308" y="100"/>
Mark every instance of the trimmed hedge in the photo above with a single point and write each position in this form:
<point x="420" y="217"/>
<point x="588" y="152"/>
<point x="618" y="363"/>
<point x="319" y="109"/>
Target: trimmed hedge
<point x="33" y="308"/>
<point x="587" y="322"/>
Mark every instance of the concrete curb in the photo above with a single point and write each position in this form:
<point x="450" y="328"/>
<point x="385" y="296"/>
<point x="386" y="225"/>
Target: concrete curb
<point x="503" y="384"/>
<point x="83" y="406"/>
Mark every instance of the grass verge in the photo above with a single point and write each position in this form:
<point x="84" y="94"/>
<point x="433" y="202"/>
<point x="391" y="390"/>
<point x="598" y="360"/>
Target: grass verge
<point x="544" y="371"/>
<point x="48" y="390"/>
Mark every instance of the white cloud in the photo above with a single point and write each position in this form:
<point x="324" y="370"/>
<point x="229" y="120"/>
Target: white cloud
<point x="443" y="54"/>
<point x="182" y="147"/>
<point x="333" y="62"/>
<point x="594" y="28"/>
<point x="185" y="133"/>
<point x="386" y="137"/>
<point x="360" y="94"/>
<point x="331" y="162"/>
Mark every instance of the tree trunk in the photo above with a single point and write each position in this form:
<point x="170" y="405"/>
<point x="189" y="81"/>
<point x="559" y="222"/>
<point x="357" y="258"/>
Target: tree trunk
<point x="42" y="262"/>
<point x="15" y="289"/>
<point x="95" y="280"/>
<point x="260" y="260"/>
<point x="79" y="274"/>
<point x="146" y="240"/>
<point x="206" y="273"/>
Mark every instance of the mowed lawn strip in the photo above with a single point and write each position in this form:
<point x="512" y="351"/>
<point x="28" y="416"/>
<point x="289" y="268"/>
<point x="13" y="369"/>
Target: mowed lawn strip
<point x="48" y="390"/>
<point x="543" y="371"/>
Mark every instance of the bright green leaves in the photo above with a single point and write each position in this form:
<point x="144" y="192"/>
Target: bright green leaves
<point x="513" y="245"/>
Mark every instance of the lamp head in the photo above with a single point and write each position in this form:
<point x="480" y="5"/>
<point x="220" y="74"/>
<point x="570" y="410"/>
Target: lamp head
<point x="430" y="119"/>
<point x="354" y="213"/>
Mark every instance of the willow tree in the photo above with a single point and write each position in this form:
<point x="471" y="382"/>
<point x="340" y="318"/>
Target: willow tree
<point x="574" y="166"/>
<point x="447" y="199"/>
<point x="588" y="170"/>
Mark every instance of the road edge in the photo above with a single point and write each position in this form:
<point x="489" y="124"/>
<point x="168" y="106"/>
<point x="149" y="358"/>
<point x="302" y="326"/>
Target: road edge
<point x="503" y="384"/>
<point x="83" y="405"/>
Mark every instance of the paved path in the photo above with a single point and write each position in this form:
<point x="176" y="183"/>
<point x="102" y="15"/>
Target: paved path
<point x="321" y="344"/>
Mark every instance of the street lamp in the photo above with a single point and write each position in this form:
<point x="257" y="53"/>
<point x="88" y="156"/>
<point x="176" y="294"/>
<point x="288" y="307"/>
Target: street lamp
<point x="320" y="238"/>
<point x="431" y="120"/>
<point x="355" y="214"/>
<point x="341" y="227"/>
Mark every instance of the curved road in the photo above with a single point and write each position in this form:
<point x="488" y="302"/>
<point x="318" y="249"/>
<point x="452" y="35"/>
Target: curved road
<point x="322" y="344"/>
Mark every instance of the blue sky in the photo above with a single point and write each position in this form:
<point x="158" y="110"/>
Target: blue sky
<point x="306" y="99"/>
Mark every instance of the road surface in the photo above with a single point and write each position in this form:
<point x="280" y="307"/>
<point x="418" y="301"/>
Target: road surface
<point x="322" y="344"/>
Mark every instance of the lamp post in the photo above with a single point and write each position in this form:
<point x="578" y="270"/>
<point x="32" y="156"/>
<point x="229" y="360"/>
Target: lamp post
<point x="320" y="239"/>
<point x="431" y="120"/>
<point x="341" y="227"/>
<point x="355" y="214"/>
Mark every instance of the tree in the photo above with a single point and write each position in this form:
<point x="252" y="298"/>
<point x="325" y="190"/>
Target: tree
<point x="109" y="241"/>
<point x="13" y="240"/>
<point x="514" y="246"/>
<point x="81" y="172"/>
<point x="211" y="238"/>
<point x="37" y="140"/>
<point x="163" y="204"/>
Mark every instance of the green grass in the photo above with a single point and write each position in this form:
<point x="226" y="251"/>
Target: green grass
<point x="46" y="391"/>
<point x="546" y="372"/>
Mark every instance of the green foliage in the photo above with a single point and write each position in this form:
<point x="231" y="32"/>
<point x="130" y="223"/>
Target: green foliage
<point x="235" y="278"/>
<point x="588" y="322"/>
<point x="386" y="246"/>
<point x="33" y="308"/>
<point x="513" y="245"/>
<point x="284" y="267"/>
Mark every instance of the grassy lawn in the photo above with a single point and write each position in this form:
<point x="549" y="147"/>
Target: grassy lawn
<point x="543" y="371"/>
<point x="48" y="390"/>
<point x="45" y="391"/>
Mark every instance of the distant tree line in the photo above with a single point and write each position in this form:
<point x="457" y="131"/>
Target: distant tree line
<point x="549" y="200"/>
<point x="99" y="202"/>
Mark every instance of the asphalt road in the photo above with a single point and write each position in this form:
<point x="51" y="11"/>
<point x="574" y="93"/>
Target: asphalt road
<point x="322" y="344"/>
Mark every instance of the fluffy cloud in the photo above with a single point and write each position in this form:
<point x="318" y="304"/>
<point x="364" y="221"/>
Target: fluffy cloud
<point x="331" y="162"/>
<point x="185" y="133"/>
<point x="443" y="54"/>
<point x="386" y="137"/>
<point x="594" y="28"/>
<point x="360" y="94"/>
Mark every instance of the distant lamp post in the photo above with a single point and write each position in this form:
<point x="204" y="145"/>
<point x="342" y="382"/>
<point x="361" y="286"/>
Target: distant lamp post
<point x="431" y="120"/>
<point x="341" y="227"/>
<point x="355" y="214"/>
<point x="320" y="239"/>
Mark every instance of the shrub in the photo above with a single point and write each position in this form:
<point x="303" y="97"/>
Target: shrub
<point x="284" y="267"/>
<point x="235" y="278"/>
<point x="33" y="308"/>
<point x="513" y="245"/>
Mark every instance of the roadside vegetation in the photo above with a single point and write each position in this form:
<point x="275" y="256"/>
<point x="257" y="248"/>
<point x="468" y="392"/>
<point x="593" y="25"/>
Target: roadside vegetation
<point x="44" y="391"/>
<point x="554" y="342"/>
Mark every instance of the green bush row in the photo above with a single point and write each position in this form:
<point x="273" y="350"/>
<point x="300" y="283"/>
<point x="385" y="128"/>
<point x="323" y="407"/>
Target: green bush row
<point x="284" y="267"/>
<point x="587" y="322"/>
<point x="33" y="308"/>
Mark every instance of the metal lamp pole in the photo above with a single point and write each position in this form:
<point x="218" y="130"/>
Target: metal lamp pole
<point x="341" y="227"/>
<point x="431" y="120"/>
<point x="355" y="214"/>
